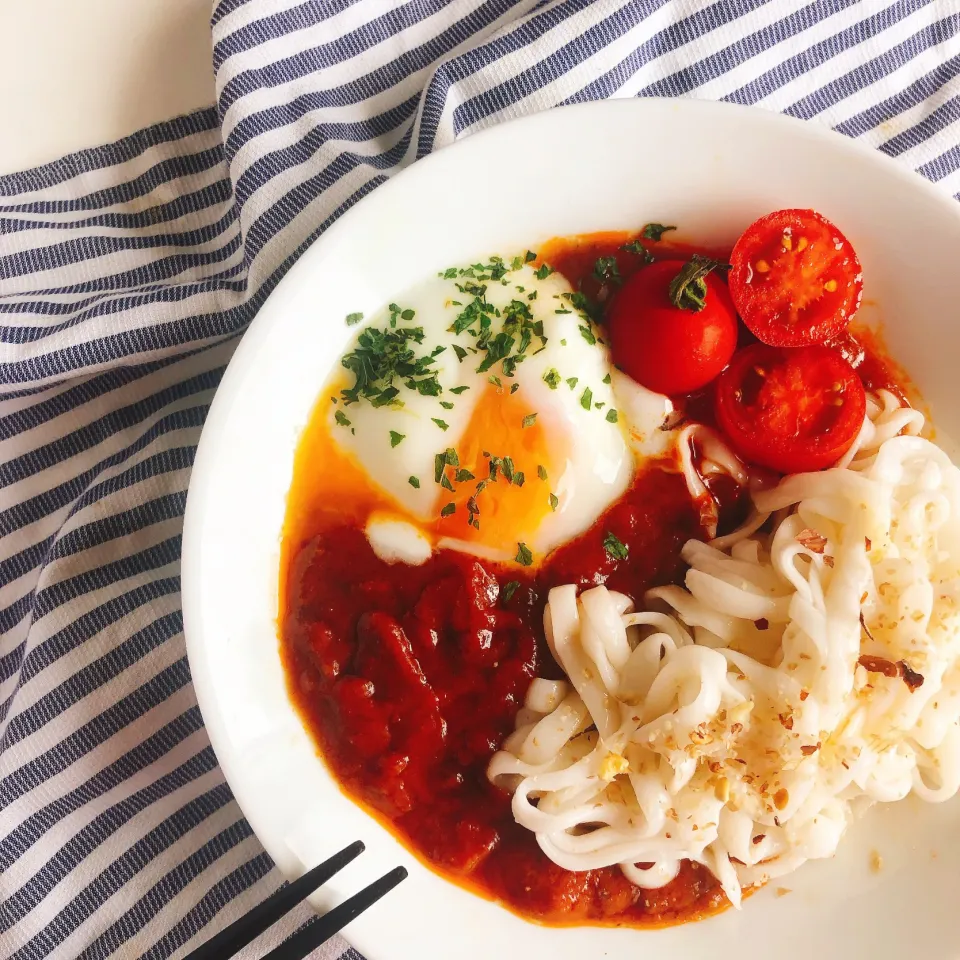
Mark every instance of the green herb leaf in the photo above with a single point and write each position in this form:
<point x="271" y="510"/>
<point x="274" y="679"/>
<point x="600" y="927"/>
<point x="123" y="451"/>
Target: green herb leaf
<point x="554" y="502"/>
<point x="440" y="423"/>
<point x="528" y="421"/>
<point x="519" y="479"/>
<point x="542" y="472"/>
<point x="543" y="271"/>
<point x="383" y="356"/>
<point x="524" y="556"/>
<point x="509" y="590"/>
<point x="688" y="289"/>
<point x="496" y="381"/>
<point x="395" y="437"/>
<point x="387" y="397"/>
<point x="586" y="399"/>
<point x="616" y="549"/>
<point x="587" y="334"/>
<point x="655" y="231"/>
<point x="606" y="379"/>
<point x="552" y="379"/>
<point x="341" y="418"/>
<point x="353" y="319"/>
<point x="636" y="247"/>
<point x="514" y="387"/>
<point x="606" y="270"/>
<point x="449" y="273"/>
<point x="506" y="465"/>
<point x="612" y="416"/>
<point x="571" y="382"/>
<point x="463" y="475"/>
<point x="408" y="315"/>
<point x="449" y="509"/>
<point x="414" y="482"/>
<point x="530" y="256"/>
<point x="446" y="404"/>
<point x="461" y="354"/>
<point x="459" y="390"/>
<point x="451" y="457"/>
<point x="445" y="483"/>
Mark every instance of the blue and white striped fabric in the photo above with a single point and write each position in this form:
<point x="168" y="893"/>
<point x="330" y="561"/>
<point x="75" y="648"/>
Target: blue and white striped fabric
<point x="127" y="275"/>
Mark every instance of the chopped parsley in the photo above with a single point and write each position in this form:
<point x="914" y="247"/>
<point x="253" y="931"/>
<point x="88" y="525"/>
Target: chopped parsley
<point x="552" y="379"/>
<point x="395" y="437"/>
<point x="459" y="390"/>
<point x="528" y="421"/>
<point x="606" y="379"/>
<point x="571" y="382"/>
<point x="446" y="404"/>
<point x="509" y="590"/>
<point x="635" y="246"/>
<point x="586" y="399"/>
<point x="461" y="354"/>
<point x="519" y="479"/>
<point x="514" y="387"/>
<point x="449" y="509"/>
<point x="655" y="231"/>
<point x="587" y="334"/>
<point x="554" y="502"/>
<point x="353" y="319"/>
<point x="463" y="475"/>
<point x="441" y="460"/>
<point x="616" y="549"/>
<point x="524" y="557"/>
<point x="530" y="256"/>
<point x="612" y="416"/>
<point x="543" y="271"/>
<point x="496" y="381"/>
<point x="606" y="270"/>
<point x="584" y="304"/>
<point x="542" y="472"/>
<point x="340" y="417"/>
<point x="382" y="357"/>
<point x="414" y="482"/>
<point x="440" y="423"/>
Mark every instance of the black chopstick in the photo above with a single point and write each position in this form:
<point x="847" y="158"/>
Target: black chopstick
<point x="305" y="941"/>
<point x="243" y="931"/>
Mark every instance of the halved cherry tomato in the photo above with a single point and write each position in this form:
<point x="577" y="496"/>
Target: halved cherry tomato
<point x="666" y="348"/>
<point x="790" y="410"/>
<point x="795" y="279"/>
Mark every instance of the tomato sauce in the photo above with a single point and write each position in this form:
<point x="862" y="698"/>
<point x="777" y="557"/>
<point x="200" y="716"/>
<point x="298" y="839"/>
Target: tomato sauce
<point x="410" y="678"/>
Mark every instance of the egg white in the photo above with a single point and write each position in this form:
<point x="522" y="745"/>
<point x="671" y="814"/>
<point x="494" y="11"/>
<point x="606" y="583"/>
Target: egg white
<point x="567" y="381"/>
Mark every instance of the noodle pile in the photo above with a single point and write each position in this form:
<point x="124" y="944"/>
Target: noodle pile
<point x="809" y="668"/>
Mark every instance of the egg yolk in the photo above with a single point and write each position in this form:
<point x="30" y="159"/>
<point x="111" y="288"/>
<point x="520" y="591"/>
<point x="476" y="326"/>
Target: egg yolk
<point x="504" y="438"/>
<point x="507" y="468"/>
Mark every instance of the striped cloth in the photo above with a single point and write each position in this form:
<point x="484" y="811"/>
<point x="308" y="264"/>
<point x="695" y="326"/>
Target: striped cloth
<point x="128" y="273"/>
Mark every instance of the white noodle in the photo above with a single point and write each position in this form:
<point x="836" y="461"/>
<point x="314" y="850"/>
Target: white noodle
<point x="740" y="729"/>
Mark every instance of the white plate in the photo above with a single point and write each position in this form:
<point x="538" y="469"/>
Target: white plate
<point x="712" y="169"/>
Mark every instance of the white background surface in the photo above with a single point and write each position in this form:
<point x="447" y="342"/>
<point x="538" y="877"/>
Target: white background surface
<point x="77" y="73"/>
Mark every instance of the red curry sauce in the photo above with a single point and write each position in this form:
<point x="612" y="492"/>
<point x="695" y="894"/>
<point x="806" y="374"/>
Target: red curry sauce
<point x="410" y="678"/>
